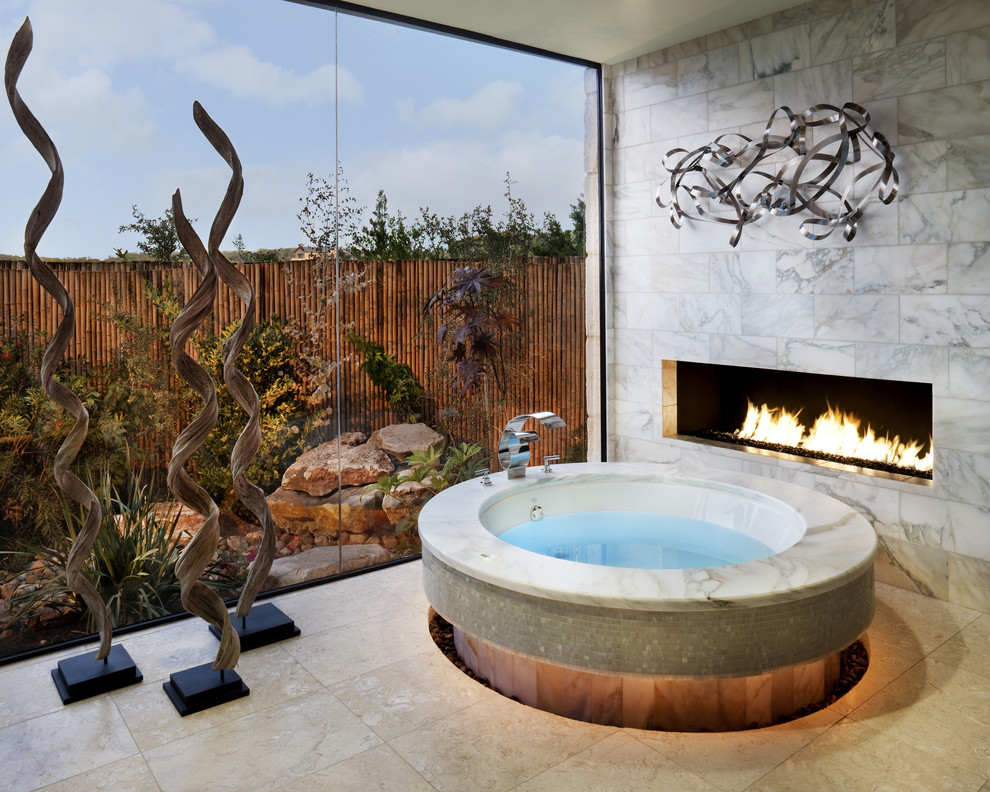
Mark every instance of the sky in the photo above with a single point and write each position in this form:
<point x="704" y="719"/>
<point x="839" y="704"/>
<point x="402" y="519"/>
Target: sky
<point x="434" y="121"/>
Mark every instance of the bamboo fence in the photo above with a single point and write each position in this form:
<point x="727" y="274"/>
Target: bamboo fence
<point x="548" y="371"/>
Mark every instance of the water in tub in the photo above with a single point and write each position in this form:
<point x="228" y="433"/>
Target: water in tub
<point x="641" y="540"/>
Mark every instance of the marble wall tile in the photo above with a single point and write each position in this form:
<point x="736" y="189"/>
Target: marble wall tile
<point x="633" y="347"/>
<point x="905" y="362"/>
<point x="782" y="51"/>
<point x="896" y="72"/>
<point x="966" y="476"/>
<point x="739" y="350"/>
<point x="969" y="373"/>
<point x="812" y="12"/>
<point x="830" y="83"/>
<point x="649" y="86"/>
<point x="694" y="347"/>
<point x="959" y="111"/>
<point x="882" y="507"/>
<point x="856" y="318"/>
<point x="633" y="201"/>
<point x="924" y="519"/>
<point x="819" y="357"/>
<point x="708" y="71"/>
<point x="967" y="56"/>
<point x="969" y="582"/>
<point x="644" y="236"/>
<point x="967" y="530"/>
<point x="853" y="32"/>
<point x="684" y="273"/>
<point x="632" y="127"/>
<point x="676" y="118"/>
<point x="710" y="313"/>
<point x="636" y="384"/>
<point x="630" y="419"/>
<point x="635" y="275"/>
<point x="778" y="314"/>
<point x="916" y="568"/>
<point x="948" y="320"/>
<point x="962" y="424"/>
<point x="643" y="163"/>
<point x="924" y="218"/>
<point x="741" y="104"/>
<point x="901" y="270"/>
<point x="968" y="162"/>
<point x="969" y="268"/>
<point x="647" y="311"/>
<point x="818" y="271"/>
<point x="921" y="167"/>
<point x="923" y="19"/>
<point x="744" y="272"/>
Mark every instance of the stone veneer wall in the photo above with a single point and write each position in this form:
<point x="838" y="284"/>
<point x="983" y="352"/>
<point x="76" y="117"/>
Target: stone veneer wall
<point x="908" y="298"/>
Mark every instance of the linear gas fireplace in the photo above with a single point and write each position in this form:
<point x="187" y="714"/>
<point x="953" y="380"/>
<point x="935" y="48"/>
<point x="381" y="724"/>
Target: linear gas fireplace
<point x="878" y="426"/>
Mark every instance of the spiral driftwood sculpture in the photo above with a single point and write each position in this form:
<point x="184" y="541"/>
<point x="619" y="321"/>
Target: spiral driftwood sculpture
<point x="818" y="180"/>
<point x="197" y="597"/>
<point x="249" y="441"/>
<point x="37" y="224"/>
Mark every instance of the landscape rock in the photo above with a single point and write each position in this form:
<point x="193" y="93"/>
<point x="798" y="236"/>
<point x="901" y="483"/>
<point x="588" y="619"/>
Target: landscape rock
<point x="188" y="523"/>
<point x="323" y="561"/>
<point x="316" y="471"/>
<point x="400" y="440"/>
<point x="408" y="500"/>
<point x="359" y="512"/>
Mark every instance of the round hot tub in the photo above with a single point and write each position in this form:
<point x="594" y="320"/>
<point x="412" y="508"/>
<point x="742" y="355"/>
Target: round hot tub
<point x="728" y="645"/>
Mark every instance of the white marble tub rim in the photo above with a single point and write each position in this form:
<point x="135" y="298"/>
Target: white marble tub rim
<point x="837" y="544"/>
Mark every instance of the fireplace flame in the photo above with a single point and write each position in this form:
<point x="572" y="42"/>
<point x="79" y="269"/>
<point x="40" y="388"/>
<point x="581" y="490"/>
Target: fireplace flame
<point x="833" y="432"/>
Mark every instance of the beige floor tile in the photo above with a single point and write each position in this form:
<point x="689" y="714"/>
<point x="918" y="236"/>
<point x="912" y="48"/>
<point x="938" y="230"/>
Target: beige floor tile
<point x="915" y="623"/>
<point x="967" y="650"/>
<point x="56" y="746"/>
<point x="732" y="761"/>
<point x="27" y="690"/>
<point x="377" y="770"/>
<point x="887" y="663"/>
<point x="127" y="775"/>
<point x="404" y="581"/>
<point x="269" y="672"/>
<point x="343" y="652"/>
<point x="494" y="745"/>
<point x="944" y="716"/>
<point x="265" y="750"/>
<point x="171" y="648"/>
<point x="406" y="695"/>
<point x="321" y="608"/>
<point x="853" y="757"/>
<point x="619" y="762"/>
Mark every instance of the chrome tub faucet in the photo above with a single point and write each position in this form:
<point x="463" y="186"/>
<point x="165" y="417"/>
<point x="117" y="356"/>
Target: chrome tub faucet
<point x="513" y="446"/>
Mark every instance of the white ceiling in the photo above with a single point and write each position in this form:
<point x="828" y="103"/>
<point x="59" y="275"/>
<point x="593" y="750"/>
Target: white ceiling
<point x="603" y="31"/>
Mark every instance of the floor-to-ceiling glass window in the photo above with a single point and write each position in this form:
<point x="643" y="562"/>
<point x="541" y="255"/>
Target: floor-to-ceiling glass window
<point x="411" y="225"/>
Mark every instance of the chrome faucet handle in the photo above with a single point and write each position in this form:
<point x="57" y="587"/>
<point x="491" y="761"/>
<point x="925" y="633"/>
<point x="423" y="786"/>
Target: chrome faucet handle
<point x="485" y="480"/>
<point x="547" y="460"/>
<point x="513" y="445"/>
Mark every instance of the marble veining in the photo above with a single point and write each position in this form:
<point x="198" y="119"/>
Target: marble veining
<point x="967" y="56"/>
<point x="854" y="32"/>
<point x="823" y="270"/>
<point x="908" y="69"/>
<point x="776" y="53"/>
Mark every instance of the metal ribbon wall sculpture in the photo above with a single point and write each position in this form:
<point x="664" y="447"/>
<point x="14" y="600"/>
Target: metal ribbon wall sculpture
<point x="37" y="224"/>
<point x="249" y="441"/>
<point x="197" y="597"/>
<point x="728" y="175"/>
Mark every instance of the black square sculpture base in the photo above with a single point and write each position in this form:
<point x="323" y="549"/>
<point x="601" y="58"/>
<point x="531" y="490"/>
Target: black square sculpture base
<point x="264" y="624"/>
<point x="200" y="688"/>
<point x="80" y="677"/>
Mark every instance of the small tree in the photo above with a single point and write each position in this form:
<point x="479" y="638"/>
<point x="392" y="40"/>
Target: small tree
<point x="329" y="222"/>
<point x="159" y="240"/>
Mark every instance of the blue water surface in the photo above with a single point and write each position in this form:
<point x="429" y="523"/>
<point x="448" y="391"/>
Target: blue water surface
<point x="640" y="540"/>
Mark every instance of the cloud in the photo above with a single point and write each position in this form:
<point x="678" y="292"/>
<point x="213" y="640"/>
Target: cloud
<point x="452" y="177"/>
<point x="238" y="70"/>
<point x="493" y="106"/>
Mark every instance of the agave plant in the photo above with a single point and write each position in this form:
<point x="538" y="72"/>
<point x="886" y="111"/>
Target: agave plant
<point x="132" y="564"/>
